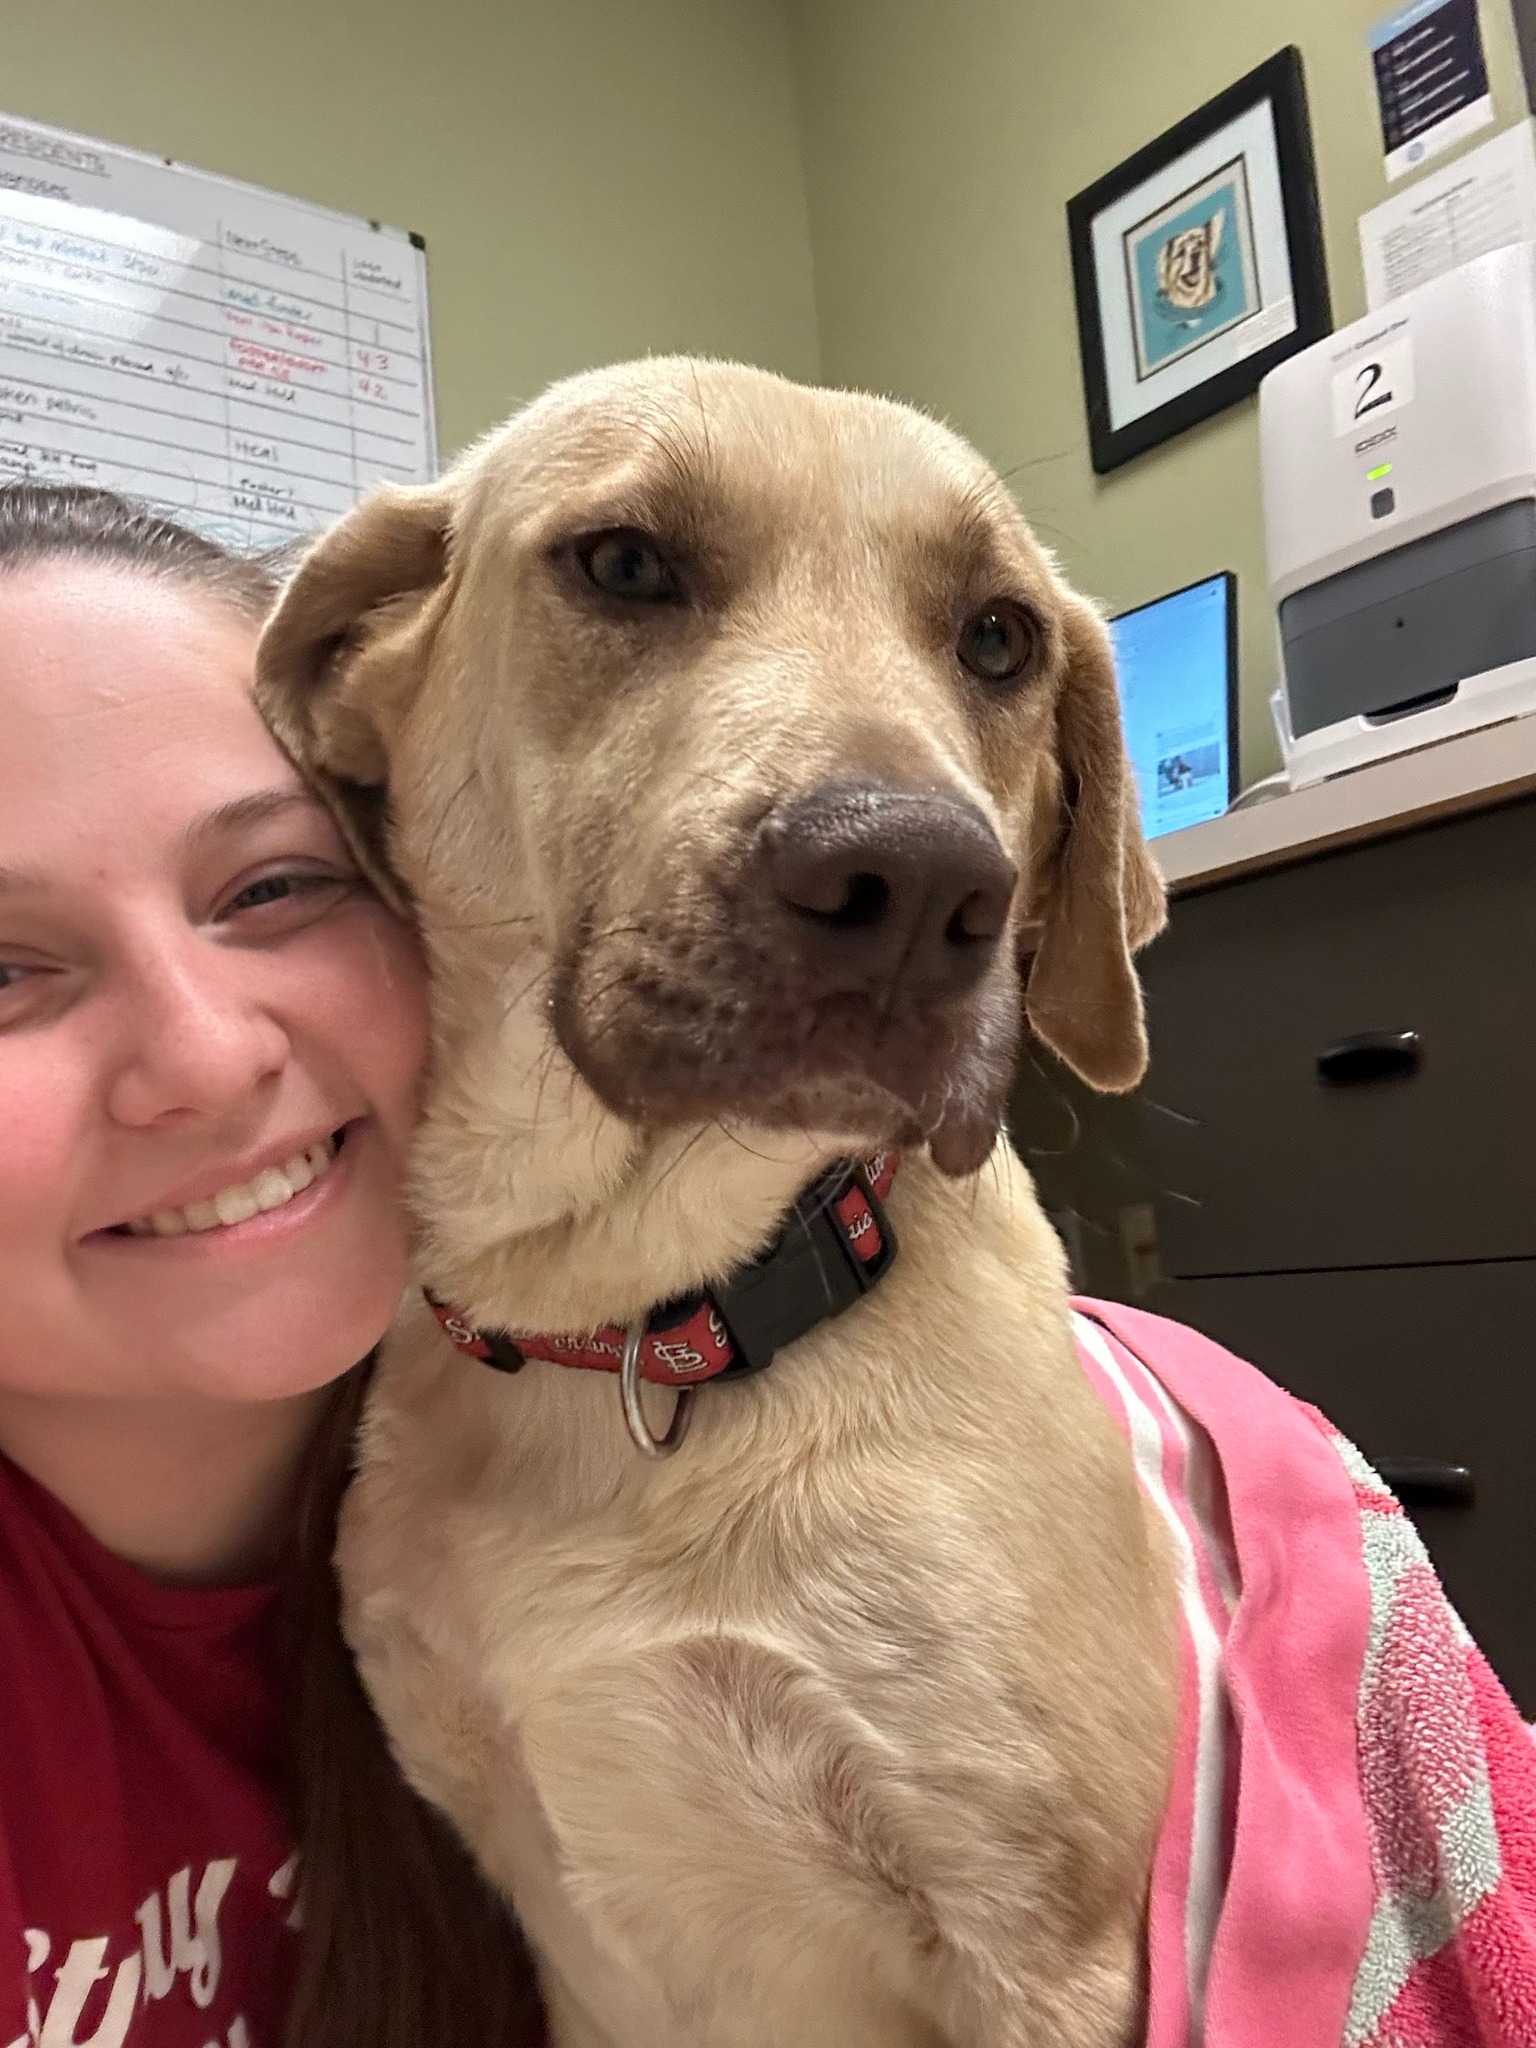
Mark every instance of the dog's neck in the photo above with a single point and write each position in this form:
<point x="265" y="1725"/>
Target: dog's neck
<point x="538" y="1208"/>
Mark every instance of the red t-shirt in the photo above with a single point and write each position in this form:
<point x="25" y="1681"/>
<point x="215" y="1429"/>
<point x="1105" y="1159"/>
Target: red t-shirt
<point x="146" y="1877"/>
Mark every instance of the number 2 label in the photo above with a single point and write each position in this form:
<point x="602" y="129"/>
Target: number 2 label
<point x="1374" y="391"/>
<point x="1373" y="385"/>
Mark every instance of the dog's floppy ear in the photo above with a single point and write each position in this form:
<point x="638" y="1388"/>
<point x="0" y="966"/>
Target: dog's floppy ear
<point x="1103" y="896"/>
<point x="342" y="654"/>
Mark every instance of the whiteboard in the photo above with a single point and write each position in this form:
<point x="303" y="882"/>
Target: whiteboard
<point x="249" y="362"/>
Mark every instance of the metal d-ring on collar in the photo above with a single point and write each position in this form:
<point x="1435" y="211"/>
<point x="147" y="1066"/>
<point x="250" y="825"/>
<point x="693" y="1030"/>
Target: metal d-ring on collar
<point x="645" y="1441"/>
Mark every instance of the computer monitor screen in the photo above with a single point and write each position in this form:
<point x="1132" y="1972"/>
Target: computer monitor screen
<point x="1177" y="663"/>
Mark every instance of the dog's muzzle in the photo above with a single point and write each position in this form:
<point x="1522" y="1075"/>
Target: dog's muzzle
<point x="844" y="970"/>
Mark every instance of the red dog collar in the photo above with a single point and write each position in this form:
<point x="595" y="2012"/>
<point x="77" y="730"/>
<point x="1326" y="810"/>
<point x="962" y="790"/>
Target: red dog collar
<point x="836" y="1243"/>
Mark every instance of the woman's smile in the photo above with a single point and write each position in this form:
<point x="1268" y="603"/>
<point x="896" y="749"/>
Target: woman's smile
<point x="256" y="1212"/>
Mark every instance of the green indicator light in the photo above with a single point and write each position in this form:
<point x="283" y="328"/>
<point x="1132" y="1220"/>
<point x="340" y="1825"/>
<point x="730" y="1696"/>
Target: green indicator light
<point x="1374" y="476"/>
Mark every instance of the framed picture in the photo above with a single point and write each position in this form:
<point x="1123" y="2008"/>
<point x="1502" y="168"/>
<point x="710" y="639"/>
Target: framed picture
<point x="1198" y="264"/>
<point x="1525" y="34"/>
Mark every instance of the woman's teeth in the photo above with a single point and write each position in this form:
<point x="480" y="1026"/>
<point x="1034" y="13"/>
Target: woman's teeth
<point x="271" y="1188"/>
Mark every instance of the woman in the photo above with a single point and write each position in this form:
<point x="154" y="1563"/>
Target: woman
<point x="210" y="1043"/>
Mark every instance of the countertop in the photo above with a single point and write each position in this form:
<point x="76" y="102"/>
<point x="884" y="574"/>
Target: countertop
<point x="1468" y="773"/>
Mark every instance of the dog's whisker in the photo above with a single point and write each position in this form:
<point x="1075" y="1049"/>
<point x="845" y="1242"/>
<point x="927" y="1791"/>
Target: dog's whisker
<point x="594" y="1143"/>
<point x="616" y="931"/>
<point x="441" y="821"/>
<point x="680" y="455"/>
<point x="1036" y="462"/>
<point x="547" y="1059"/>
<point x="593" y="1035"/>
<point x="1063" y="1100"/>
<point x="517" y="1002"/>
<point x="673" y="1164"/>
<point x="486" y="924"/>
<point x="713" y="781"/>
<point x="741" y="1144"/>
<point x="698" y="399"/>
<point x="746" y="754"/>
<point x="546" y="1069"/>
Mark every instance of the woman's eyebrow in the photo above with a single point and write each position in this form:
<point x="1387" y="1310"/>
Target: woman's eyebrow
<point x="254" y="809"/>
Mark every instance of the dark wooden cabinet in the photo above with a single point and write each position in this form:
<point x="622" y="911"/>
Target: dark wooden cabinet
<point x="1265" y="1166"/>
<point x="1370" y="1244"/>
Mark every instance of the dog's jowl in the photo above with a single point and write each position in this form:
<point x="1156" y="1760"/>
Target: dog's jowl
<point x="753" y="775"/>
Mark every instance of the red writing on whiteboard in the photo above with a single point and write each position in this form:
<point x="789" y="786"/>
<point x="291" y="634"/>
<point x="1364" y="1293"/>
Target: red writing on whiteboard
<point x="280" y="363"/>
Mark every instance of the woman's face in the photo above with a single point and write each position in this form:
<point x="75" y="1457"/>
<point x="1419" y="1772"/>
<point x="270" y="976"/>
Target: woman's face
<point x="198" y="1004"/>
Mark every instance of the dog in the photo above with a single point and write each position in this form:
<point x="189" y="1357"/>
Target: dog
<point x="1186" y="266"/>
<point x="752" y="772"/>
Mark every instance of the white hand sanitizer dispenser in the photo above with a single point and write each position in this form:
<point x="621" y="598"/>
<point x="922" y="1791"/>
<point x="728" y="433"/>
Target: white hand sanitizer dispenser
<point x="1398" y="459"/>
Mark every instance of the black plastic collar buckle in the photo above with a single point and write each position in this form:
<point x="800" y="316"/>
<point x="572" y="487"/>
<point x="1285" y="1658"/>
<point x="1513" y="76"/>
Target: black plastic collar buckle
<point x="809" y="1273"/>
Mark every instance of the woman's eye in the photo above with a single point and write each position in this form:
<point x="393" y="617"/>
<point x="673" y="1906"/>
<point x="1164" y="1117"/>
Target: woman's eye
<point x="27" y="990"/>
<point x="628" y="564"/>
<point x="270" y="889"/>
<point x="314" y="892"/>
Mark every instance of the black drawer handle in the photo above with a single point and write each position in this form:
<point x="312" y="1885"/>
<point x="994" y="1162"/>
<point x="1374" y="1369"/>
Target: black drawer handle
<point x="1370" y="1056"/>
<point x="1428" y="1482"/>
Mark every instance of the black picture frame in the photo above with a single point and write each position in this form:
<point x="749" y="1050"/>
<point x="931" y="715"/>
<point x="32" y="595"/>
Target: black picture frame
<point x="1279" y="81"/>
<point x="1525" y="36"/>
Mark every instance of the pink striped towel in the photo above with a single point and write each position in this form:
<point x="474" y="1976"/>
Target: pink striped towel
<point x="1348" y="1858"/>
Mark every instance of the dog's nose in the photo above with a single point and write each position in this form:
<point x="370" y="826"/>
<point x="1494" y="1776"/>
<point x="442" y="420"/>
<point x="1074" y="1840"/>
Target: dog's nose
<point x="885" y="882"/>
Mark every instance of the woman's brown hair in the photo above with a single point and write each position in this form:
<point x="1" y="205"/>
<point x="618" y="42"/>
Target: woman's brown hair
<point x="401" y="1945"/>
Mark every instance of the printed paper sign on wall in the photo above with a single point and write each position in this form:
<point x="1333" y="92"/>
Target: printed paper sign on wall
<point x="1431" y="80"/>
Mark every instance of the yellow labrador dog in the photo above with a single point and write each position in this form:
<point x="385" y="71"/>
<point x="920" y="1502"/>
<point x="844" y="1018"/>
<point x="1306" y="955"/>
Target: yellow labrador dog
<point x="750" y="770"/>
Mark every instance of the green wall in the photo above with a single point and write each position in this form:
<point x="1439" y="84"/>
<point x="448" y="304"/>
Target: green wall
<point x="942" y="142"/>
<point x="594" y="179"/>
<point x="871" y="191"/>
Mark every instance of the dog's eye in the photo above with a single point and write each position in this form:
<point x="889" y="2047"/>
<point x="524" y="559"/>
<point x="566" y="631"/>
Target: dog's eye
<point x="998" y="642"/>
<point x="625" y="563"/>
